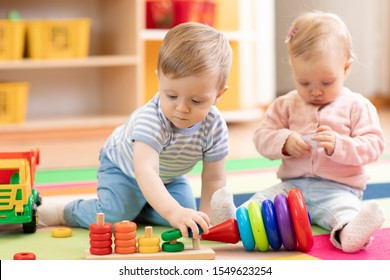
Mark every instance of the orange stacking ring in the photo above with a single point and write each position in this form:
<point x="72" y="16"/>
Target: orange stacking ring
<point x="125" y="235"/>
<point x="125" y="250"/>
<point x="125" y="243"/>
<point x="125" y="226"/>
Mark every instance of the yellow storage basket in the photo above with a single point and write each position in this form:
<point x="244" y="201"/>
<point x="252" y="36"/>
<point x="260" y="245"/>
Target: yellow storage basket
<point x="13" y="102"/>
<point x="12" y="38"/>
<point x="50" y="39"/>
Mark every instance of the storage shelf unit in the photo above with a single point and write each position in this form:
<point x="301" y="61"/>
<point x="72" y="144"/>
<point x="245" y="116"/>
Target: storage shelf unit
<point x="103" y="86"/>
<point x="84" y="99"/>
<point x="95" y="61"/>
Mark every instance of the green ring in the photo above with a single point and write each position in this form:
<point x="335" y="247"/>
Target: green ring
<point x="172" y="248"/>
<point x="257" y="225"/>
<point x="170" y="235"/>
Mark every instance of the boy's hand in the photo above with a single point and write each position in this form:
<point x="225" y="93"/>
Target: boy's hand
<point x="326" y="138"/>
<point x="188" y="218"/>
<point x="295" y="146"/>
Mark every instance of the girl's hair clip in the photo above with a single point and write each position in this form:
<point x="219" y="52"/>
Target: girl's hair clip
<point x="291" y="34"/>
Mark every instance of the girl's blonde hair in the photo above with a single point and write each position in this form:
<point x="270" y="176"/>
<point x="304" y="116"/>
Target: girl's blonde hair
<point x="193" y="49"/>
<point x="314" y="33"/>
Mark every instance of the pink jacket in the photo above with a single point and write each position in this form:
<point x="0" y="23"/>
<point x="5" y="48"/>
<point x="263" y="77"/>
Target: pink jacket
<point x="352" y="116"/>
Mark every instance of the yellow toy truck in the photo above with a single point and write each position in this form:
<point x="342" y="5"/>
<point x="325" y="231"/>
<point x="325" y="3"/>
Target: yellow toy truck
<point x="18" y="198"/>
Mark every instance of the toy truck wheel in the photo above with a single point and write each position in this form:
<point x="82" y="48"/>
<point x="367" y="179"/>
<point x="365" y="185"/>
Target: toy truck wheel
<point x="31" y="226"/>
<point x="37" y="197"/>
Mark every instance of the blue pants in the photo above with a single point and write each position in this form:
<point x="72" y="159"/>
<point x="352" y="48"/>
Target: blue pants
<point x="120" y="198"/>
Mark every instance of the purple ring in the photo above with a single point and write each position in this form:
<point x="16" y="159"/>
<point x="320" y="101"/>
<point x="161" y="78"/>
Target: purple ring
<point x="286" y="227"/>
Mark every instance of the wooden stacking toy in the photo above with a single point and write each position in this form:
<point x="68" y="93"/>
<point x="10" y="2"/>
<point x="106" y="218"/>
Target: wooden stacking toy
<point x="126" y="241"/>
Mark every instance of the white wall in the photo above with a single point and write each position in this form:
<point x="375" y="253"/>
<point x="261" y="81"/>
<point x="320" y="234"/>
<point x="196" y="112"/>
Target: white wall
<point x="368" y="21"/>
<point x="257" y="52"/>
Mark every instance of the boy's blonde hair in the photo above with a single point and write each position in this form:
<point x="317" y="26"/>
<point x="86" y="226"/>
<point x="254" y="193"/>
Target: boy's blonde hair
<point x="314" y="33"/>
<point x="193" y="49"/>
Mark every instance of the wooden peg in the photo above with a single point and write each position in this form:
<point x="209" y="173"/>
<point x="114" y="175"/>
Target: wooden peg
<point x="100" y="219"/>
<point x="196" y="243"/>
<point x="148" y="231"/>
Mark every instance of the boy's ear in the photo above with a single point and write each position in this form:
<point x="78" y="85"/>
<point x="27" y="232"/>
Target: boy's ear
<point x="219" y="95"/>
<point x="156" y="72"/>
<point x="347" y="66"/>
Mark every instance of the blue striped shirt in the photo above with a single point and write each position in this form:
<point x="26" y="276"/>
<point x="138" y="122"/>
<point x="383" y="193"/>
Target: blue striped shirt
<point x="179" y="149"/>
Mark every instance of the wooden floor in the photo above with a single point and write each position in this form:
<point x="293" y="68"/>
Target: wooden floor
<point x="79" y="149"/>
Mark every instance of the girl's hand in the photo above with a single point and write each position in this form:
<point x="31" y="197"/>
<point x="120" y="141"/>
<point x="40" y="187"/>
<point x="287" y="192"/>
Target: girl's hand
<point x="188" y="218"/>
<point x="326" y="138"/>
<point x="295" y="146"/>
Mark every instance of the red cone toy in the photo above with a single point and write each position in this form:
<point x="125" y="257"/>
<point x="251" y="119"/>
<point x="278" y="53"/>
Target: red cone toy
<point x="226" y="231"/>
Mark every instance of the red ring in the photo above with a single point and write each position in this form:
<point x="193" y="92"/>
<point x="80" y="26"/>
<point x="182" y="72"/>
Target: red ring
<point x="300" y="220"/>
<point x="25" y="256"/>
<point x="100" y="243"/>
<point x="106" y="227"/>
<point x="100" y="251"/>
<point x="100" y="236"/>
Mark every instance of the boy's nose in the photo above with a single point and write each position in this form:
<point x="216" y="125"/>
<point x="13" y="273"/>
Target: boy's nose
<point x="182" y="107"/>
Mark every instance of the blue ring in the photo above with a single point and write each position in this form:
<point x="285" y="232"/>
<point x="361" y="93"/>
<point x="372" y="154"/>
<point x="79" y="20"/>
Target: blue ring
<point x="271" y="226"/>
<point x="245" y="229"/>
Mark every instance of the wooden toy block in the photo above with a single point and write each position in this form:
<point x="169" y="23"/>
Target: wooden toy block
<point x="194" y="253"/>
<point x="187" y="254"/>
